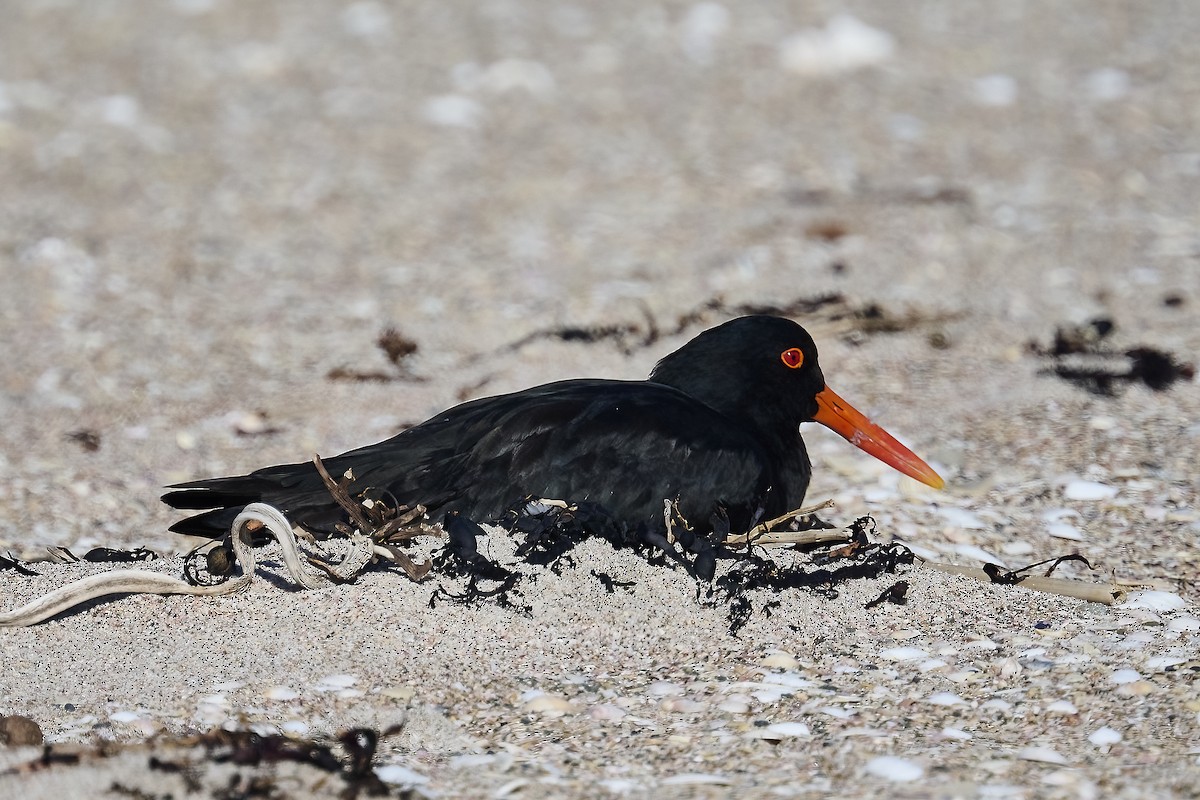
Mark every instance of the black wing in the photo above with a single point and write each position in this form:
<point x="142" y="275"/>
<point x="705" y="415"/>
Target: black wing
<point x="626" y="446"/>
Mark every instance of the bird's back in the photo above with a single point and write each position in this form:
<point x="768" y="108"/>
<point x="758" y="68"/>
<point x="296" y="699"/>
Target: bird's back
<point x="624" y="445"/>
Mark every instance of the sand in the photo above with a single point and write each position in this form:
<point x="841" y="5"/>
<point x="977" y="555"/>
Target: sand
<point x="208" y="206"/>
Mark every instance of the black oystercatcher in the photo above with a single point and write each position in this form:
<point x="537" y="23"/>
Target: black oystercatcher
<point x="716" y="426"/>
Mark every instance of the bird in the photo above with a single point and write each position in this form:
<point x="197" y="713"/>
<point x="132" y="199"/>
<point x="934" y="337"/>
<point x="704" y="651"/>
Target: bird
<point x="715" y="428"/>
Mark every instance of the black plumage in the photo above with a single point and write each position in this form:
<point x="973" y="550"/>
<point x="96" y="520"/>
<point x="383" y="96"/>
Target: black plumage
<point x="716" y="427"/>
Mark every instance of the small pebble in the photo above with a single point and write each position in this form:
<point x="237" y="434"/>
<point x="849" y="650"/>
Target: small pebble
<point x="1105" y="736"/>
<point x="780" y="660"/>
<point x="398" y="775"/>
<point x="787" y="730"/>
<point x="696" y="779"/>
<point x="1155" y="601"/>
<point x="332" y="683"/>
<point x="893" y="768"/>
<point x="978" y="553"/>
<point x="607" y="712"/>
<point x="903" y="653"/>
<point x="1088" y="490"/>
<point x="550" y="705"/>
<point x="843" y="45"/>
<point x="1123" y="676"/>
<point x="664" y="689"/>
<point x="837" y="712"/>
<point x="963" y="518"/>
<point x="682" y="705"/>
<point x="995" y="90"/>
<point x="1064" y="530"/>
<point x="946" y="699"/>
<point x="18" y="731"/>
<point x="1136" y="689"/>
<point x="1042" y="755"/>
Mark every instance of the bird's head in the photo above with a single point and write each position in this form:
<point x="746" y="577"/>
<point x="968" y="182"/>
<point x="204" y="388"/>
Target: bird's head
<point x="764" y="370"/>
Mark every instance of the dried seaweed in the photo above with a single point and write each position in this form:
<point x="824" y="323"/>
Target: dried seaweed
<point x="396" y="349"/>
<point x="1011" y="577"/>
<point x="1080" y="354"/>
<point x="855" y="323"/>
<point x="860" y="559"/>
<point x="896" y="594"/>
<point x="12" y="563"/>
<point x="88" y="439"/>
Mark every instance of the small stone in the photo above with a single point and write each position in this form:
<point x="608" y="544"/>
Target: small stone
<point x="682" y="705"/>
<point x="550" y="705"/>
<point x="1136" y="689"/>
<point x="664" y="689"/>
<point x="996" y="90"/>
<point x="607" y="712"/>
<point x="18" y="731"/>
<point x="894" y="768"/>
<point x="332" y="683"/>
<point x="1105" y="736"/>
<point x="1155" y="601"/>
<point x="399" y="776"/>
<point x="452" y="110"/>
<point x="979" y="554"/>
<point x="185" y="440"/>
<point x="696" y="779"/>
<point x="1088" y="490"/>
<point x="787" y="730"/>
<point x="1123" y="676"/>
<point x="1064" y="530"/>
<point x="837" y="712"/>
<point x="903" y="653"/>
<point x="962" y="518"/>
<point x="1062" y="707"/>
<point x="946" y="699"/>
<point x="780" y="660"/>
<point x="1042" y="755"/>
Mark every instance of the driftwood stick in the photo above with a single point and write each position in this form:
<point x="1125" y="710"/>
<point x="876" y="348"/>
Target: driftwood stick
<point x="1105" y="593"/>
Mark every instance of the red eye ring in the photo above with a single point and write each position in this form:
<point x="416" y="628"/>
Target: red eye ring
<point x="792" y="358"/>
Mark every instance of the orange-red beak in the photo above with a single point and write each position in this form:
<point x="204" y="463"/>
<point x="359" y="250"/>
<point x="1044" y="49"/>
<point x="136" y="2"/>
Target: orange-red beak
<point x="839" y="416"/>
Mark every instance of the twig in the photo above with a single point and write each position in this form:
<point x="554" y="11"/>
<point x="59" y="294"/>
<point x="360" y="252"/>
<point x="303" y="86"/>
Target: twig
<point x="342" y="497"/>
<point x="763" y="532"/>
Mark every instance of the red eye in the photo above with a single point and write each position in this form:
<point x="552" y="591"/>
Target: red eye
<point x="793" y="357"/>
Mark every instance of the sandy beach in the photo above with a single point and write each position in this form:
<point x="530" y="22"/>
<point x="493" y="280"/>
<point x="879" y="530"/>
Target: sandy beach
<point x="211" y="211"/>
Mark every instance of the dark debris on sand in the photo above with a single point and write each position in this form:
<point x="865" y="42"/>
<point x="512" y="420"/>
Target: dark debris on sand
<point x="1081" y="354"/>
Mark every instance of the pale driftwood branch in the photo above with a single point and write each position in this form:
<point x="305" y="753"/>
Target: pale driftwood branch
<point x="128" y="581"/>
<point x="763" y="533"/>
<point x="1105" y="593"/>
